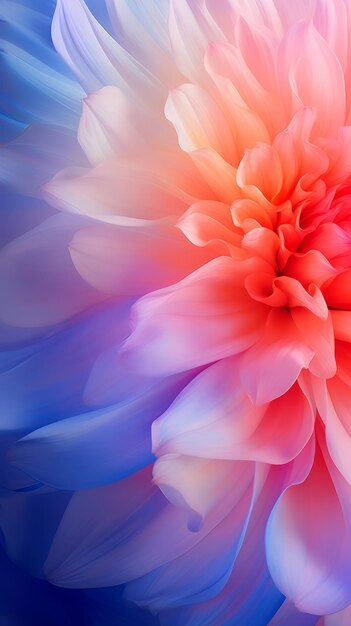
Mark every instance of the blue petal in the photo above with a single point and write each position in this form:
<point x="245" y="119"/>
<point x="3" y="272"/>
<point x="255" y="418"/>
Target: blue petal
<point x="38" y="84"/>
<point x="288" y="615"/>
<point x="202" y="572"/>
<point x="28" y="601"/>
<point x="32" y="158"/>
<point x="9" y="127"/>
<point x="28" y="522"/>
<point x="96" y="447"/>
<point x="46" y="379"/>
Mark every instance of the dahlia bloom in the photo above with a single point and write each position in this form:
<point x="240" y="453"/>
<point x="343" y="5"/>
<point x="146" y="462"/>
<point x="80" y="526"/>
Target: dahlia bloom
<point x="176" y="311"/>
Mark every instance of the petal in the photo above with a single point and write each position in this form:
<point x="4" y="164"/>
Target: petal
<point x="337" y="149"/>
<point x="200" y="485"/>
<point x="333" y="403"/>
<point x="291" y="13"/>
<point x="289" y="615"/>
<point x="92" y="548"/>
<point x="142" y="30"/>
<point x="341" y="618"/>
<point x="41" y="284"/>
<point x="311" y="75"/>
<point x="313" y="519"/>
<point x="93" y="448"/>
<point x="207" y="564"/>
<point x="337" y="293"/>
<point x="273" y="364"/>
<point x="29" y="522"/>
<point x="213" y="418"/>
<point x="113" y="126"/>
<point x="34" y="156"/>
<point x="191" y="27"/>
<point x="134" y="21"/>
<point x="261" y="168"/>
<point x="199" y="121"/>
<point x="127" y="190"/>
<point x="38" y="86"/>
<point x="45" y="380"/>
<point x="218" y="174"/>
<point x="249" y="597"/>
<point x="206" y="222"/>
<point x="224" y="61"/>
<point x="319" y="336"/>
<point x="194" y="322"/>
<point x="29" y="601"/>
<point x="259" y="49"/>
<point x="310" y="267"/>
<point x="119" y="260"/>
<point x="331" y="21"/>
<point x="93" y="55"/>
<point x="341" y="325"/>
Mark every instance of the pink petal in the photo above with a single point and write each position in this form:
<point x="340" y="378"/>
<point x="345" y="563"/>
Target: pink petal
<point x="259" y="49"/>
<point x="272" y="365"/>
<point x="223" y="60"/>
<point x="319" y="336"/>
<point x="311" y="75"/>
<point x="218" y="174"/>
<point x="341" y="325"/>
<point x="205" y="317"/>
<point x="261" y="168"/>
<point x="213" y="418"/>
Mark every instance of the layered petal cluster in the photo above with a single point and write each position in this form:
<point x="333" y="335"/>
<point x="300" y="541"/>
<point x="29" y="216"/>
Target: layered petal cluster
<point x="177" y="315"/>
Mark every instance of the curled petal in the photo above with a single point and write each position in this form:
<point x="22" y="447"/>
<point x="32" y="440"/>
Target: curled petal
<point x="199" y="485"/>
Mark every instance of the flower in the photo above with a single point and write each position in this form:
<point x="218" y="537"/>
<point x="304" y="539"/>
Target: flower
<point x="177" y="391"/>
